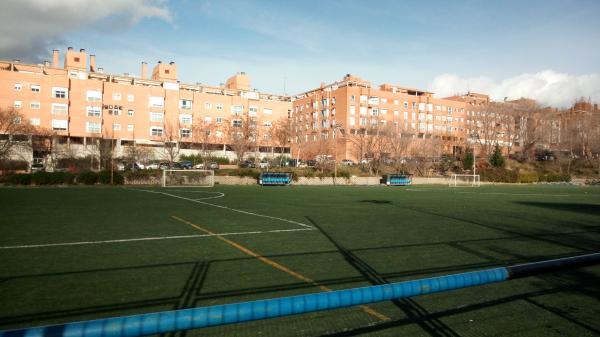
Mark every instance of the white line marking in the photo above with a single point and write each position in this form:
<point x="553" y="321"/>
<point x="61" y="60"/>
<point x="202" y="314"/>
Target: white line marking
<point x="225" y="207"/>
<point x="525" y="194"/>
<point x="82" y="243"/>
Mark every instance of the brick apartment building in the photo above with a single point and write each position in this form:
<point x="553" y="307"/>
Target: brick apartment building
<point x="81" y="104"/>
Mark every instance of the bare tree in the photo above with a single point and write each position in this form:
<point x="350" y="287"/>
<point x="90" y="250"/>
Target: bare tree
<point x="242" y="135"/>
<point x="15" y="133"/>
<point x="170" y="149"/>
<point x="203" y="134"/>
<point x="282" y="134"/>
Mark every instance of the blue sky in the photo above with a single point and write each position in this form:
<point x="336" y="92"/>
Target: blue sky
<point x="302" y="43"/>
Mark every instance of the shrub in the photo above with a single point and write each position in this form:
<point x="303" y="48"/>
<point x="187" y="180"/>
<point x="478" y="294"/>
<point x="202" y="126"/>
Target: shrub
<point x="528" y="177"/>
<point x="18" y="179"/>
<point x="104" y="178"/>
<point x="555" y="177"/>
<point x="14" y="165"/>
<point x="87" y="178"/>
<point x="499" y="175"/>
<point x="142" y="175"/>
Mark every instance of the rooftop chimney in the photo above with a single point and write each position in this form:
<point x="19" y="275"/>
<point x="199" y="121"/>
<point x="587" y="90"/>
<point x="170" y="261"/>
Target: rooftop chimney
<point x="81" y="50"/>
<point x="55" y="58"/>
<point x="16" y="61"/>
<point x="70" y="48"/>
<point x="47" y="64"/>
<point x="171" y="63"/>
<point x="101" y="70"/>
<point x="144" y="74"/>
<point x="92" y="63"/>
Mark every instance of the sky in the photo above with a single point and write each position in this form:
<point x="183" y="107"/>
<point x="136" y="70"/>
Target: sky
<point x="547" y="50"/>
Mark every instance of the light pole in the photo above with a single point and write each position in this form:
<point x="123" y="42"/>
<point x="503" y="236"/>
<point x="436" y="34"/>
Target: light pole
<point x="335" y="127"/>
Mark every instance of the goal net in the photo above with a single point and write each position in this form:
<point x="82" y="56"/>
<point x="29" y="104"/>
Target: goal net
<point x="465" y="180"/>
<point x="188" y="178"/>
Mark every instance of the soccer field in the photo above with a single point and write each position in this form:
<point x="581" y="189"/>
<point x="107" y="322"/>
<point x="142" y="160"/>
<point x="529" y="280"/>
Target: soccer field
<point x="76" y="253"/>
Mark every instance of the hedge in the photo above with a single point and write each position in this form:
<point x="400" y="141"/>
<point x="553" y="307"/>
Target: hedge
<point x="62" y="178"/>
<point x="498" y="175"/>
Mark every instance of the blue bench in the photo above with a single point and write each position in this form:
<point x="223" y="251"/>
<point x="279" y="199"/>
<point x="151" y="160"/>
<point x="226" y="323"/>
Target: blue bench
<point x="396" y="179"/>
<point x="275" y="179"/>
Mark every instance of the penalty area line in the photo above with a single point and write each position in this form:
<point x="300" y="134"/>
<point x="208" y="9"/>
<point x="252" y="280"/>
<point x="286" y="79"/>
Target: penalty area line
<point x="155" y="238"/>
<point x="225" y="207"/>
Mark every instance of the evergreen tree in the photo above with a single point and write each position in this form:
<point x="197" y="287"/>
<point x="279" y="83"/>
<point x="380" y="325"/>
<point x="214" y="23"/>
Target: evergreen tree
<point x="468" y="160"/>
<point x="496" y="159"/>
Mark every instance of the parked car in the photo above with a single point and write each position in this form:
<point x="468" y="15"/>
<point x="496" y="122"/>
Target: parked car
<point x="213" y="165"/>
<point x="247" y="164"/>
<point x="186" y="164"/>
<point x="311" y="163"/>
<point x="153" y="166"/>
<point x="263" y="164"/>
<point x="37" y="167"/>
<point x="347" y="162"/>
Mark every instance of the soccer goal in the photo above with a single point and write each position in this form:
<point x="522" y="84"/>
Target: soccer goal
<point x="188" y="178"/>
<point x="465" y="180"/>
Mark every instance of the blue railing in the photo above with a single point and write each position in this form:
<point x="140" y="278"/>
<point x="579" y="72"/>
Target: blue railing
<point x="177" y="320"/>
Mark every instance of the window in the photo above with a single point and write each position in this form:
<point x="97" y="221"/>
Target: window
<point x="396" y="102"/>
<point x="383" y="111"/>
<point x="237" y="123"/>
<point x="207" y="105"/>
<point x="34" y="121"/>
<point x="352" y="99"/>
<point x="156" y="102"/>
<point x="156" y="116"/>
<point x="405" y="105"/>
<point x="93" y="96"/>
<point x="252" y="110"/>
<point x="130" y="98"/>
<point x="34" y="105"/>
<point x="373" y="100"/>
<point x="207" y="120"/>
<point x="117" y="127"/>
<point x="363" y="110"/>
<point x="60" y="125"/>
<point x="267" y="124"/>
<point x="115" y="111"/>
<point x="352" y="110"/>
<point x="130" y="113"/>
<point x="59" y="109"/>
<point x="185" y="133"/>
<point x="405" y="114"/>
<point x="59" y="92"/>
<point x="92" y="127"/>
<point x="267" y="111"/>
<point x="185" y="104"/>
<point x="17" y="104"/>
<point x="93" y="111"/>
<point x="352" y="121"/>
<point x="219" y="120"/>
<point x="185" y="119"/>
<point x="116" y="96"/>
<point x="363" y="98"/>
<point x="156" y="131"/>
<point x="219" y="107"/>
<point x="384" y="100"/>
<point x="130" y="127"/>
<point x="237" y="109"/>
<point x="35" y="88"/>
<point x="17" y="86"/>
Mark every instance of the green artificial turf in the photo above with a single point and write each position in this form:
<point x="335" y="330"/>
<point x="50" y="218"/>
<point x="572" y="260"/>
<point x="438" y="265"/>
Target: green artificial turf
<point x="362" y="236"/>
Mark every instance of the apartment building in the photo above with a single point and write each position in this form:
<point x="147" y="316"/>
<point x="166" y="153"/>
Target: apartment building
<point x="338" y="111"/>
<point x="79" y="103"/>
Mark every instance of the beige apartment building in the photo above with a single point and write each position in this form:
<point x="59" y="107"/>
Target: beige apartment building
<point x="79" y="103"/>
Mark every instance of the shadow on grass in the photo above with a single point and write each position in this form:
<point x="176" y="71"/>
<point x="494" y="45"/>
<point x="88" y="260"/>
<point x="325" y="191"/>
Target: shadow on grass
<point x="591" y="209"/>
<point x="374" y="201"/>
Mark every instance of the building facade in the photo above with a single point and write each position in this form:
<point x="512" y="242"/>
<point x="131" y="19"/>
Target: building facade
<point x="79" y="103"/>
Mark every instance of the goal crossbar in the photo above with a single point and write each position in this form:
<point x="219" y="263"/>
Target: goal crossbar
<point x="188" y="178"/>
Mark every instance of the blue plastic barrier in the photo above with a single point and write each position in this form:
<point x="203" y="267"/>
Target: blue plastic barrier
<point x="177" y="320"/>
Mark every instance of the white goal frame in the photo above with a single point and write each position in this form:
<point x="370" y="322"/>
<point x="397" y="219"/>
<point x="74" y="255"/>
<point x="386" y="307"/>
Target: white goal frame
<point x="475" y="182"/>
<point x="211" y="178"/>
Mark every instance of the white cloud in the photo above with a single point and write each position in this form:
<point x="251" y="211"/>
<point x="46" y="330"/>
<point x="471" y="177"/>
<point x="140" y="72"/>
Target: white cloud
<point x="32" y="27"/>
<point x="547" y="87"/>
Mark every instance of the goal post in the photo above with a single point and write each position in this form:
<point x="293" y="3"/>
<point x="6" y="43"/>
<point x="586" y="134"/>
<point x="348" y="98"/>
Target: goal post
<point x="465" y="180"/>
<point x="188" y="178"/>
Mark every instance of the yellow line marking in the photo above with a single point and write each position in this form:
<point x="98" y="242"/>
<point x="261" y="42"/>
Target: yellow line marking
<point x="278" y="266"/>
